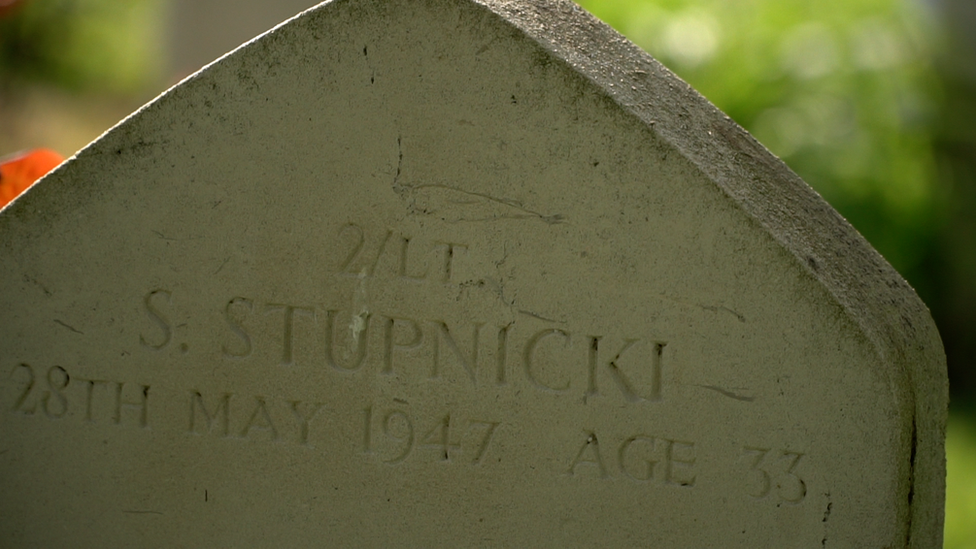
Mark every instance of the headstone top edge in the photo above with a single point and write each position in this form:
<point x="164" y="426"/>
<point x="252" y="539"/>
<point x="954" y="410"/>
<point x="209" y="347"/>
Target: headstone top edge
<point x="761" y="184"/>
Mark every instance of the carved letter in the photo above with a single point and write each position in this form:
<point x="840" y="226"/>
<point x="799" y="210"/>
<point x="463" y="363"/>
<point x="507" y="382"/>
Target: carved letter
<point x="501" y="356"/>
<point x="379" y="253"/>
<point x="390" y="341"/>
<point x="404" y="253"/>
<point x="686" y="460"/>
<point x="624" y="384"/>
<point x="260" y="408"/>
<point x="55" y="387"/>
<point x="470" y="364"/>
<point x="529" y="354"/>
<point x="449" y="249"/>
<point x="590" y="442"/>
<point x="19" y="405"/>
<point x="196" y="399"/>
<point x="303" y="420"/>
<point x="358" y="337"/>
<point x="142" y="405"/>
<point x="288" y="332"/>
<point x="159" y="319"/>
<point x="346" y="265"/>
<point x="234" y="321"/>
<point x="89" y="390"/>
<point x="648" y="473"/>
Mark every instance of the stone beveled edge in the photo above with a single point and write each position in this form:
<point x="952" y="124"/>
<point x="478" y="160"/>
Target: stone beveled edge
<point x="824" y="244"/>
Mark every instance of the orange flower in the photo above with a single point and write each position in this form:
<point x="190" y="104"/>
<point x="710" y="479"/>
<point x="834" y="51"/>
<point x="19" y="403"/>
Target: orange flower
<point x="19" y="171"/>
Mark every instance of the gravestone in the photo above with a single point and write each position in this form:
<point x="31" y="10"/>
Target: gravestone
<point x="453" y="273"/>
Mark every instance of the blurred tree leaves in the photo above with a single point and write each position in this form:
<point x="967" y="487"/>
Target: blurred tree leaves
<point x="844" y="91"/>
<point x="112" y="46"/>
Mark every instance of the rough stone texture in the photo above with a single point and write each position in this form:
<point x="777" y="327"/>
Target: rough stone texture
<point x="449" y="273"/>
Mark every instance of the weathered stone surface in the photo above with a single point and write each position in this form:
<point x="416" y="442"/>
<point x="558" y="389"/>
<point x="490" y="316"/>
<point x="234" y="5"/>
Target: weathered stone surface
<point x="449" y="273"/>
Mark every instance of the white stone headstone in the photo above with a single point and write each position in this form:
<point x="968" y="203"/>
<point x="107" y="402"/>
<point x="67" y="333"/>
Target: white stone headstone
<point x="453" y="273"/>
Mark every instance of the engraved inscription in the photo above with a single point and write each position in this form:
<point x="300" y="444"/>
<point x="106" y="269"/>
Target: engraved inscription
<point x="612" y="368"/>
<point x="55" y="393"/>
<point x="468" y="361"/>
<point x="19" y="405"/>
<point x="151" y="302"/>
<point x="288" y="327"/>
<point x="261" y="420"/>
<point x="473" y="353"/>
<point x="392" y="341"/>
<point x="589" y="454"/>
<point x="390" y="435"/>
<point x="358" y="239"/>
<point x="395" y="255"/>
<point x="304" y="417"/>
<point x="139" y="405"/>
<point x="378" y="346"/>
<point x="234" y="313"/>
<point x="219" y="417"/>
<point x="52" y="401"/>
<point x="531" y="370"/>
<point x="354" y="353"/>
<point x="227" y="415"/>
<point x="774" y="474"/>
<point x="641" y="458"/>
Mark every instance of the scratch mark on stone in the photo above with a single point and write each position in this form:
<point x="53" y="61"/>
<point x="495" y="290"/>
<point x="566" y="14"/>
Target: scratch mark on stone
<point x="492" y="218"/>
<point x="498" y="288"/>
<point x="826" y="515"/>
<point x="727" y="393"/>
<point x="38" y="284"/>
<point x="550" y="219"/>
<point x="171" y="239"/>
<point x="717" y="308"/>
<point x="222" y="265"/>
<point x="712" y="308"/>
<point x="396" y="178"/>
<point x="533" y="315"/>
<point x="73" y="329"/>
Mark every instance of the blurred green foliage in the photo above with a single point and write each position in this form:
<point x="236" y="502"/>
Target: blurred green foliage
<point x="844" y="91"/>
<point x="112" y="46"/>
<point x="960" y="528"/>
